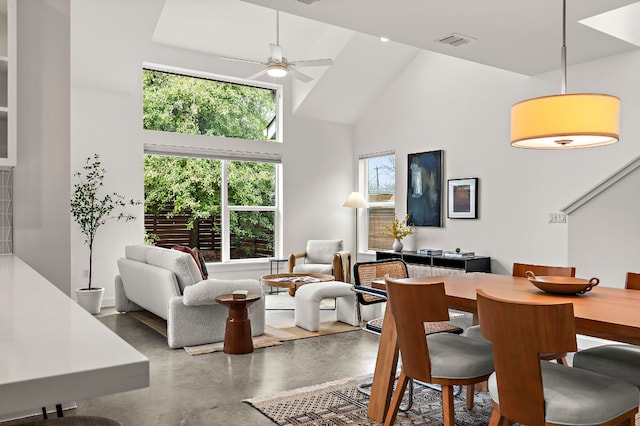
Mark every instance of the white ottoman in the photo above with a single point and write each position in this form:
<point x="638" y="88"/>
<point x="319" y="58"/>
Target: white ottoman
<point x="309" y="296"/>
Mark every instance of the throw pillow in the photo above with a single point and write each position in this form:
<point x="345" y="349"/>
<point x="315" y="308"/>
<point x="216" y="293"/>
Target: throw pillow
<point x="190" y="251"/>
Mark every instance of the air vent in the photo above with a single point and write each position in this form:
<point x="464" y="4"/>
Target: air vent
<point x="454" y="39"/>
<point x="307" y="1"/>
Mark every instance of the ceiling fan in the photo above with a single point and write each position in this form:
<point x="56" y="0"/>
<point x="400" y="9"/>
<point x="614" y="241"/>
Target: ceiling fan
<point x="278" y="66"/>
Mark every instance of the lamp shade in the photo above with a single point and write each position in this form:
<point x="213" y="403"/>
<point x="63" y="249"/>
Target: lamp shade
<point x="576" y="120"/>
<point x="356" y="201"/>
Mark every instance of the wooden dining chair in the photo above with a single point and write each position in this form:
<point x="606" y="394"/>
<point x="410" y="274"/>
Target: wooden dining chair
<point x="445" y="359"/>
<point x="530" y="392"/>
<point x="520" y="270"/>
<point x="621" y="361"/>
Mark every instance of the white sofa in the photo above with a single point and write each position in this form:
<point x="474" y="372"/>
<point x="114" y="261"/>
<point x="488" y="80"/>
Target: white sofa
<point x="168" y="283"/>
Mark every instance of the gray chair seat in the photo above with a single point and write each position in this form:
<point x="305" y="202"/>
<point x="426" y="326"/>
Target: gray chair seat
<point x="457" y="357"/>
<point x="575" y="396"/>
<point x="621" y="361"/>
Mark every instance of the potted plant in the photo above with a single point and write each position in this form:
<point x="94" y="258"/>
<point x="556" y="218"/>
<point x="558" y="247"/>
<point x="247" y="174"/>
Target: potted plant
<point x="398" y="230"/>
<point x="90" y="210"/>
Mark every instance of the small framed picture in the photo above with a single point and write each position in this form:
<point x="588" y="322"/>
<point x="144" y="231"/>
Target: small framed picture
<point x="462" y="198"/>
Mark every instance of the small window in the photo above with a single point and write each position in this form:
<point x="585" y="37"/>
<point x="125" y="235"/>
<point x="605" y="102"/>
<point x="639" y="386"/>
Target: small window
<point x="380" y="193"/>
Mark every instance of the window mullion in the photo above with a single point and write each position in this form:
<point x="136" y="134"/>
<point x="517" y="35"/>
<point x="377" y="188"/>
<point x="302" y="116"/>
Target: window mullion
<point x="224" y="210"/>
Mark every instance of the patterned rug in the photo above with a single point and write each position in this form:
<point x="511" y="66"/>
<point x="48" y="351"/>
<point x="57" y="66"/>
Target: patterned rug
<point x="340" y="403"/>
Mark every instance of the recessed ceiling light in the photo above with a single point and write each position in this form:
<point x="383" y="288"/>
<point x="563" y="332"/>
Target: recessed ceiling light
<point x="384" y="39"/>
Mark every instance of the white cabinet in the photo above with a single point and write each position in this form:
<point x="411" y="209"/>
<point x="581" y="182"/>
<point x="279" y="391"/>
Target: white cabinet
<point x="7" y="83"/>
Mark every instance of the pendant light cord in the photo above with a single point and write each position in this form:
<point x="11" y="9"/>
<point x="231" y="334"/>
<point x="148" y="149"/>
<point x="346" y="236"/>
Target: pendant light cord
<point x="563" y="54"/>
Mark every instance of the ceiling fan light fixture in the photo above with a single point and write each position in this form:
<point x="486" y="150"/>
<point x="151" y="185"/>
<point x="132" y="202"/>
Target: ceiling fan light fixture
<point x="277" y="70"/>
<point x="576" y="120"/>
<point x="565" y="121"/>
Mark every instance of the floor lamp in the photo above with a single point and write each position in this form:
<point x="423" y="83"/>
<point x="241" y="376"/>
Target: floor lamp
<point x="355" y="201"/>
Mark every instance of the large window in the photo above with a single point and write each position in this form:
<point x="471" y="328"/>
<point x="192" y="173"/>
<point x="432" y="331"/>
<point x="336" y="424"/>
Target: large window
<point x="204" y="106"/>
<point x="222" y="201"/>
<point x="380" y="192"/>
<point x="226" y="209"/>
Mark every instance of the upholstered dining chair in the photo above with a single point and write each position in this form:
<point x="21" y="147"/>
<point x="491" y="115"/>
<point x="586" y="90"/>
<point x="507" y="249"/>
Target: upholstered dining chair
<point x="528" y="391"/>
<point x="520" y="270"/>
<point x="621" y="361"/>
<point x="445" y="359"/>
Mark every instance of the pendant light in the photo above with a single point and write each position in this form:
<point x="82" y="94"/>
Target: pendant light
<point x="565" y="121"/>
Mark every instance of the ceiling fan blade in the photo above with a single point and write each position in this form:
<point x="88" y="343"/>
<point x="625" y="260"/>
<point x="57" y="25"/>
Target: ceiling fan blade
<point x="227" y="58"/>
<point x="300" y="76"/>
<point x="313" y="63"/>
<point x="276" y="52"/>
<point x="258" y="74"/>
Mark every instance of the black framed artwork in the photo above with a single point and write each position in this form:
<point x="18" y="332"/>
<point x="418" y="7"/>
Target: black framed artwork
<point x="462" y="199"/>
<point x="424" y="188"/>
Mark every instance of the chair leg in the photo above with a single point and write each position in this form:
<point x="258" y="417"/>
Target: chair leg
<point x="396" y="400"/>
<point x="470" y="396"/>
<point x="562" y="361"/>
<point x="497" y="419"/>
<point x="447" y="406"/>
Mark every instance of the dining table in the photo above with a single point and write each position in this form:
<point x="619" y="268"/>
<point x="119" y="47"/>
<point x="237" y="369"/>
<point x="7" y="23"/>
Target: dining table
<point x="604" y="312"/>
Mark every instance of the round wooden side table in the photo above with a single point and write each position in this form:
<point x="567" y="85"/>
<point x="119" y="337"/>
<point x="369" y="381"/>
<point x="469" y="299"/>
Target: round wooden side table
<point x="237" y="334"/>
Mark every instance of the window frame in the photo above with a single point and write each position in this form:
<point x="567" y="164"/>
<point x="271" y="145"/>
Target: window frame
<point x="232" y="80"/>
<point x="363" y="166"/>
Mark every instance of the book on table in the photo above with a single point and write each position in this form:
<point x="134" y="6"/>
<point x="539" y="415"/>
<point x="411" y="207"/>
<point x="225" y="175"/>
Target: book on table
<point x="430" y="252"/>
<point x="458" y="254"/>
<point x="301" y="279"/>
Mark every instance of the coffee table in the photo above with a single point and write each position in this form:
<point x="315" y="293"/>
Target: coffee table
<point x="237" y="335"/>
<point x="293" y="281"/>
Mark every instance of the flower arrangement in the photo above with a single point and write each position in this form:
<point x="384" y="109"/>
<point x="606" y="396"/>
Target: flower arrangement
<point x="399" y="229"/>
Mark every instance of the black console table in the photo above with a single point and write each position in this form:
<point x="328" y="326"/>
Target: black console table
<point x="467" y="263"/>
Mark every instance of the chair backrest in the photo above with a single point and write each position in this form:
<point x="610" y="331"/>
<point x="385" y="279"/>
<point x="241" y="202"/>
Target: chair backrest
<point x="545" y="328"/>
<point x="520" y="269"/>
<point x="412" y="305"/>
<point x="322" y="251"/>
<point x="633" y="281"/>
<point x="365" y="272"/>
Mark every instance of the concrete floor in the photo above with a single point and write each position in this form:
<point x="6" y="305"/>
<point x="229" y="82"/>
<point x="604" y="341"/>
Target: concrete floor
<point x="208" y="389"/>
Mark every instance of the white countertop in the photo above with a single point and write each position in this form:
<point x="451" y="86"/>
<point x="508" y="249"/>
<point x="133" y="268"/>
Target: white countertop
<point x="52" y="350"/>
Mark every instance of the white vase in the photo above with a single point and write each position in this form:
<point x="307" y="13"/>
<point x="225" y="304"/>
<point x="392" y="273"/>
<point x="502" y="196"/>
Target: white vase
<point x="90" y="300"/>
<point x="397" y="245"/>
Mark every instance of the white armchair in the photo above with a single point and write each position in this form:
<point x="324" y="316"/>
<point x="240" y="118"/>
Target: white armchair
<point x="323" y="257"/>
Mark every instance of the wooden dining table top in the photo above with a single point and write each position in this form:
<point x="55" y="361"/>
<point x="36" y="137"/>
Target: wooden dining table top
<point x="604" y="312"/>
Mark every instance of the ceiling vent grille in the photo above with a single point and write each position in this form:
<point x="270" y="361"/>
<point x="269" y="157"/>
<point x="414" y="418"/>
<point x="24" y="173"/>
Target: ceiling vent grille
<point x="455" y="39"/>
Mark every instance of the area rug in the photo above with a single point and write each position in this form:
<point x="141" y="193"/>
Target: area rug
<point x="279" y="328"/>
<point x="340" y="403"/>
<point x="274" y="336"/>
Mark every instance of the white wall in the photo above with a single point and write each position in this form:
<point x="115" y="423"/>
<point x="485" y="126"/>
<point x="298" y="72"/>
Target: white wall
<point x="463" y="108"/>
<point x="603" y="233"/>
<point x="41" y="176"/>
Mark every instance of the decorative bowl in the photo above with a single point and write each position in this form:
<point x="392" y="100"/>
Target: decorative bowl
<point x="562" y="285"/>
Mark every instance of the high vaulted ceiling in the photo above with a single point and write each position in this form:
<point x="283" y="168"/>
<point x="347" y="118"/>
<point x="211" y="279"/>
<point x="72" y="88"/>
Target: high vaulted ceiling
<point x="522" y="36"/>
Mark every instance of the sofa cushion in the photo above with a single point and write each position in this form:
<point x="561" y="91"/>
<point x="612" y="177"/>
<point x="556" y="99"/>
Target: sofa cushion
<point x="181" y="264"/>
<point x="137" y="252"/>
<point x="322" y="251"/>
<point x="206" y="291"/>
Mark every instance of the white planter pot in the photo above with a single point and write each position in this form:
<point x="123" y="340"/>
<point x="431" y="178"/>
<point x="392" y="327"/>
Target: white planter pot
<point x="90" y="300"/>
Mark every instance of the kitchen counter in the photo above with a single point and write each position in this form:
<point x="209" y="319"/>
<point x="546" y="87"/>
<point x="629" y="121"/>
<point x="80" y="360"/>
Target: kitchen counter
<point x="52" y="350"/>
